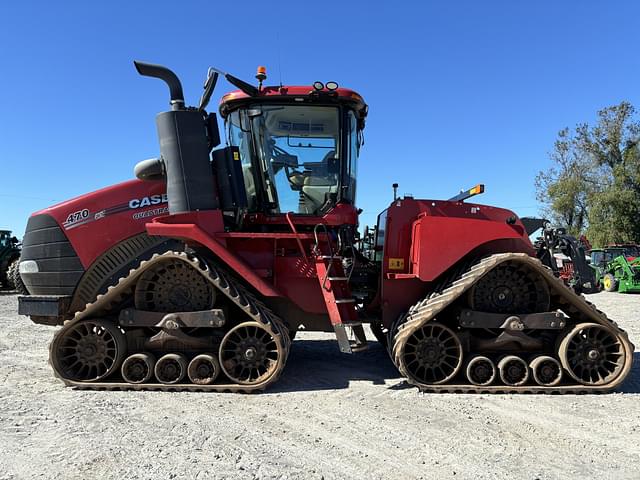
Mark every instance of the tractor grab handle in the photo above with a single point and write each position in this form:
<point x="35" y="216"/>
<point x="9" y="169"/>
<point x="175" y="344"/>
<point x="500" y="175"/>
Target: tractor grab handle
<point x="170" y="78"/>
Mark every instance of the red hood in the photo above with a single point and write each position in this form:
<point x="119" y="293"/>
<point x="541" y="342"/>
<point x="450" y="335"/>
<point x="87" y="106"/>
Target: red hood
<point x="98" y="220"/>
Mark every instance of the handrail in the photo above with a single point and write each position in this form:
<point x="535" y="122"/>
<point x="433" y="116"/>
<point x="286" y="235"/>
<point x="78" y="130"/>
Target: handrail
<point x="293" y="229"/>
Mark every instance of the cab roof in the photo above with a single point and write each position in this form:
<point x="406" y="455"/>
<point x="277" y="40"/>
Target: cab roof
<point x="295" y="94"/>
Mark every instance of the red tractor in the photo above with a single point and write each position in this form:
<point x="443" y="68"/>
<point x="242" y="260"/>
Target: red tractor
<point x="197" y="275"/>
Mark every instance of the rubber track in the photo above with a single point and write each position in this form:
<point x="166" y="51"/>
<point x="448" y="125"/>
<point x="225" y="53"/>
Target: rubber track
<point x="108" y="303"/>
<point x="562" y="296"/>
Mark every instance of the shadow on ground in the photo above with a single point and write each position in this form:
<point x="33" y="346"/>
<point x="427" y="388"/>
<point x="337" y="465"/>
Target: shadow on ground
<point x="319" y="365"/>
<point x="632" y="383"/>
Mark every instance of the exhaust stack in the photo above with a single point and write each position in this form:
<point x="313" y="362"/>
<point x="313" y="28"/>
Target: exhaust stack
<point x="184" y="148"/>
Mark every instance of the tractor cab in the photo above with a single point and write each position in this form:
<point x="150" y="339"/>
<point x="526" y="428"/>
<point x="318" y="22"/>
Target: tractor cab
<point x="298" y="146"/>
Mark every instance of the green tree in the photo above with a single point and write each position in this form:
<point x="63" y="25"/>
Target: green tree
<point x="594" y="182"/>
<point x="564" y="188"/>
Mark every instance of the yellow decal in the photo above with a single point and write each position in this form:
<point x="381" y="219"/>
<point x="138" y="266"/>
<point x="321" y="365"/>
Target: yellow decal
<point x="236" y="156"/>
<point x="396" y="263"/>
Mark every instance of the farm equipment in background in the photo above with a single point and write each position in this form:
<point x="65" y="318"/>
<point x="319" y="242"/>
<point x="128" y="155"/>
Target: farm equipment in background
<point x="617" y="270"/>
<point x="197" y="275"/>
<point x="564" y="254"/>
<point x="629" y="250"/>
<point x="9" y="260"/>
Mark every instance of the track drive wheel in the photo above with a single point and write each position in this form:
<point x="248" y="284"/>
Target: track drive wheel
<point x="250" y="354"/>
<point x="173" y="286"/>
<point x="88" y="351"/>
<point x="592" y="354"/>
<point x="432" y="354"/>
<point x="510" y="288"/>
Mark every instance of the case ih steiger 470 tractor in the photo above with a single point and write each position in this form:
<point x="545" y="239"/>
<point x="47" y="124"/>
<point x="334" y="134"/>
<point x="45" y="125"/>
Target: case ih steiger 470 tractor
<point x="197" y="275"/>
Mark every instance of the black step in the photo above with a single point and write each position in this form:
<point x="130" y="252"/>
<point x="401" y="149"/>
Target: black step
<point x="351" y="346"/>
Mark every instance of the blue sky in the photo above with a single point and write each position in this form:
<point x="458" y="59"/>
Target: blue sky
<point x="459" y="92"/>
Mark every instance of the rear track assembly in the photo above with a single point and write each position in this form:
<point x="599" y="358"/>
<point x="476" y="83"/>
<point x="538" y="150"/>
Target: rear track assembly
<point x="595" y="352"/>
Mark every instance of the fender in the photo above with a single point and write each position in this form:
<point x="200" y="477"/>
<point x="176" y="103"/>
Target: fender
<point x="200" y="227"/>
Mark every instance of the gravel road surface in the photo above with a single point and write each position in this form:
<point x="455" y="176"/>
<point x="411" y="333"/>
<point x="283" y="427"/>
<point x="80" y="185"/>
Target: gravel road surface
<point x="329" y="416"/>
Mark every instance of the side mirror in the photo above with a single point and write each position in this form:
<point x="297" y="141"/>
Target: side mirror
<point x="209" y="85"/>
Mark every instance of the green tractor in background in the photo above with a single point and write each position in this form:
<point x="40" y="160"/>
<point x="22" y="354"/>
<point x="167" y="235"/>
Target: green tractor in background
<point x="9" y="260"/>
<point x="617" y="268"/>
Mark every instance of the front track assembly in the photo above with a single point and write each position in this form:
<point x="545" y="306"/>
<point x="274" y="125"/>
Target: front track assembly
<point x="91" y="351"/>
<point x="582" y="350"/>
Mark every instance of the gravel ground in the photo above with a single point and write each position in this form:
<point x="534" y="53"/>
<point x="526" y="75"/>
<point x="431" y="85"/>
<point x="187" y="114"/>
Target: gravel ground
<point x="329" y="416"/>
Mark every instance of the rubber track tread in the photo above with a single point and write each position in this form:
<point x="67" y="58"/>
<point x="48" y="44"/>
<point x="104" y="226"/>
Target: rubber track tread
<point x="108" y="302"/>
<point x="572" y="304"/>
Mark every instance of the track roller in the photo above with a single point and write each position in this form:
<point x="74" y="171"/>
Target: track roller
<point x="546" y="370"/>
<point x="203" y="369"/>
<point x="514" y="371"/>
<point x="171" y="368"/>
<point x="481" y="370"/>
<point x="138" y="368"/>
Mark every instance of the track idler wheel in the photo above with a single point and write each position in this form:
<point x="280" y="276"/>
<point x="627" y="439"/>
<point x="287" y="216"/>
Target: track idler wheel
<point x="481" y="371"/>
<point x="250" y="354"/>
<point x="514" y="371"/>
<point x="203" y="369"/>
<point x="138" y="368"/>
<point x="592" y="354"/>
<point x="433" y="354"/>
<point x="88" y="351"/>
<point x="546" y="370"/>
<point x="171" y="368"/>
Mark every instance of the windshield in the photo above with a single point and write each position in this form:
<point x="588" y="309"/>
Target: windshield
<point x="597" y="257"/>
<point x="297" y="156"/>
<point x="600" y="257"/>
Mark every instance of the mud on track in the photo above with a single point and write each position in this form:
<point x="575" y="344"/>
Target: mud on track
<point x="330" y="415"/>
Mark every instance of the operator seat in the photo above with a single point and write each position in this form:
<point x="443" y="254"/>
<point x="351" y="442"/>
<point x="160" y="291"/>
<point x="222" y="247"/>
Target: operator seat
<point x="317" y="186"/>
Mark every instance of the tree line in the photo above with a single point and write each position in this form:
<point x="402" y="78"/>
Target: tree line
<point x="593" y="185"/>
